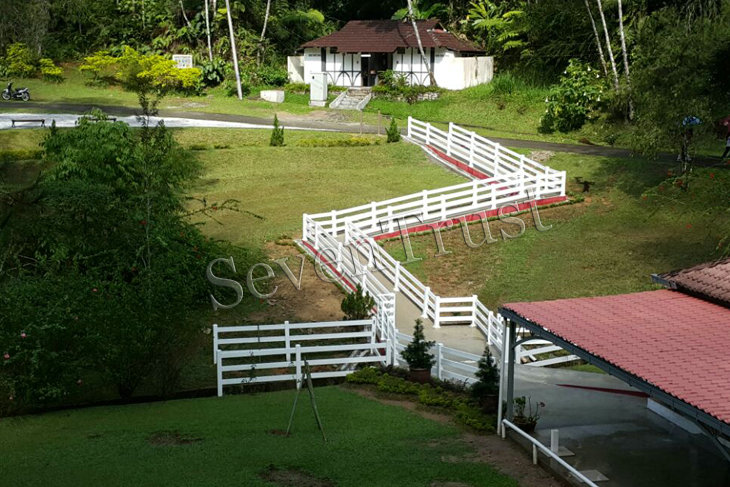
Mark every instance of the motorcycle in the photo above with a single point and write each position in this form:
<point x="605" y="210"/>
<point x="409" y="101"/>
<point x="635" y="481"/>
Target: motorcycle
<point x="10" y="94"/>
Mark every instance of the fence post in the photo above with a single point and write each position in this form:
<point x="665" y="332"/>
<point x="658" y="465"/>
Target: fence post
<point x="299" y="366"/>
<point x="522" y="175"/>
<point x="373" y="219"/>
<point x="475" y="194"/>
<point x="471" y="150"/>
<point x="287" y="342"/>
<point x="474" y="310"/>
<point x="448" y="138"/>
<point x="304" y="227"/>
<point x="489" y="328"/>
<point x="538" y="186"/>
<point x="373" y="326"/>
<point x="347" y="233"/>
<point x="215" y="344"/>
<point x="390" y="219"/>
<point x="425" y="204"/>
<point x="410" y="122"/>
<point x="219" y="373"/>
<point x="316" y="236"/>
<point x="388" y="353"/>
<point x="439" y="355"/>
<point x="333" y="222"/>
<point x="437" y="311"/>
<point x="339" y="256"/>
<point x="428" y="134"/>
<point x="397" y="276"/>
<point x="426" y="292"/>
<point x="497" y="159"/>
<point x="443" y="207"/>
<point x="562" y="183"/>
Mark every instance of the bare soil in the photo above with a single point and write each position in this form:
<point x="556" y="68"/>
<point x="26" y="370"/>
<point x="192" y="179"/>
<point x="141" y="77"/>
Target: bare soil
<point x="504" y="455"/>
<point x="293" y="478"/>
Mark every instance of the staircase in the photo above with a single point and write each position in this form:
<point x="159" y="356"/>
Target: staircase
<point x="352" y="99"/>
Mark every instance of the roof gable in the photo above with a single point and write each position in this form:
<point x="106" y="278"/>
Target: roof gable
<point x="710" y="280"/>
<point x="389" y="35"/>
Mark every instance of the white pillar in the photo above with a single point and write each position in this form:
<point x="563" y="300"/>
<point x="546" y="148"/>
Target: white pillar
<point x="426" y="292"/>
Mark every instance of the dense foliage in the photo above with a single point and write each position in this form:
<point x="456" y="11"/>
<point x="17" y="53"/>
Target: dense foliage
<point x="574" y="99"/>
<point x="102" y="276"/>
<point x="357" y="305"/>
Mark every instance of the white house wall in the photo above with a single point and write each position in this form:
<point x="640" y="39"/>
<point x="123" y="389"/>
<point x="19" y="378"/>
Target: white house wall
<point x="295" y="68"/>
<point x="343" y="69"/>
<point x="456" y="73"/>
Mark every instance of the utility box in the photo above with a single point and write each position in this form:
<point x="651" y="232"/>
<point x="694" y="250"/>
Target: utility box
<point x="318" y="89"/>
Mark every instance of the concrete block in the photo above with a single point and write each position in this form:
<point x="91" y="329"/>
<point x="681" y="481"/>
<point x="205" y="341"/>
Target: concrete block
<point x="274" y="96"/>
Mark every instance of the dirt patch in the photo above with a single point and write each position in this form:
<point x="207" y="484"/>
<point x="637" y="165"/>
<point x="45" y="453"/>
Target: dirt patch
<point x="293" y="478"/>
<point x="504" y="455"/>
<point x="278" y="433"/>
<point x="541" y="156"/>
<point x="315" y="301"/>
<point x="171" y="438"/>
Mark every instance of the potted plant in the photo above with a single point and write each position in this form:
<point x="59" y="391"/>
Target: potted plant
<point x="486" y="389"/>
<point x="524" y="416"/>
<point x="417" y="354"/>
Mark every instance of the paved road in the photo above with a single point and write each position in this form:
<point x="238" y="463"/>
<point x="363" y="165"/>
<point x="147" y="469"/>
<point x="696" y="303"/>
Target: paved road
<point x="350" y="127"/>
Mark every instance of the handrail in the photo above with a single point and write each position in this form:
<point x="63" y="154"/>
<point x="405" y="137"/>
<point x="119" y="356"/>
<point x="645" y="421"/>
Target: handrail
<point x="546" y="450"/>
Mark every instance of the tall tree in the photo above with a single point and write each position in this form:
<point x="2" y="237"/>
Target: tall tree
<point x="263" y="32"/>
<point x="608" y="45"/>
<point x="207" y="29"/>
<point x="598" y="40"/>
<point x="431" y="77"/>
<point x="234" y="52"/>
<point x="625" y="55"/>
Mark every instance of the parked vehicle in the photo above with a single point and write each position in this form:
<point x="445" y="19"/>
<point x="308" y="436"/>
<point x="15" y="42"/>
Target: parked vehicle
<point x="10" y="94"/>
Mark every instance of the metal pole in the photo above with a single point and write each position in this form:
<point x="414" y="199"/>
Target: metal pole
<point x="511" y="371"/>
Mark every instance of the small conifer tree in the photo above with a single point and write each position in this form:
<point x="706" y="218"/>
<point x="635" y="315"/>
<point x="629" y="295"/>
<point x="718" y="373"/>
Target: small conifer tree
<point x="417" y="352"/>
<point x="277" y="135"/>
<point x="393" y="131"/>
<point x="357" y="305"/>
<point x="488" y="375"/>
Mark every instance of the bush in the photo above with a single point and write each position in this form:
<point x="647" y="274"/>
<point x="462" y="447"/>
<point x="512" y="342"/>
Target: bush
<point x="397" y="385"/>
<point x="367" y="375"/>
<point x="213" y="73"/>
<point x="296" y="88"/>
<point x="270" y="76"/>
<point x="50" y="71"/>
<point x="353" y="141"/>
<point x="417" y="352"/>
<point x="357" y="305"/>
<point x="277" y="134"/>
<point x="574" y="100"/>
<point x="19" y="61"/>
<point x="393" y="131"/>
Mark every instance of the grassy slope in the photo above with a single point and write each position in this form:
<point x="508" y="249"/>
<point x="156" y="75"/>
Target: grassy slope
<point x="609" y="244"/>
<point x="109" y="445"/>
<point x="278" y="184"/>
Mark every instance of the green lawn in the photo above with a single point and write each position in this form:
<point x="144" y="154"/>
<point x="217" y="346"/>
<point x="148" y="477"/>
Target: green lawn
<point x="611" y="243"/>
<point x="229" y="443"/>
<point x="276" y="185"/>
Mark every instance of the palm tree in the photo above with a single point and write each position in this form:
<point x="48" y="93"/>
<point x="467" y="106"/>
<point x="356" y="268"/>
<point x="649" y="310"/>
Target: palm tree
<point x="598" y="40"/>
<point x="608" y="45"/>
<point x="234" y="52"/>
<point x="431" y="77"/>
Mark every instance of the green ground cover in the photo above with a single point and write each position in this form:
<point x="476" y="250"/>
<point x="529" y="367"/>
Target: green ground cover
<point x="631" y="225"/>
<point x="227" y="441"/>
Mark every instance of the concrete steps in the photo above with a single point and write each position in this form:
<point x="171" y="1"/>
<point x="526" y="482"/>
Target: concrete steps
<point x="352" y="99"/>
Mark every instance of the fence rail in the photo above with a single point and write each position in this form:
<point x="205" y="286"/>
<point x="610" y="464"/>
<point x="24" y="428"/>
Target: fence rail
<point x="241" y="353"/>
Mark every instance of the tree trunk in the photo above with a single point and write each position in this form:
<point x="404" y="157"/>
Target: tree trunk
<point x="260" y="53"/>
<point x="625" y="54"/>
<point x="598" y="40"/>
<point x="608" y="45"/>
<point x="187" y="21"/>
<point x="207" y="29"/>
<point x="431" y="77"/>
<point x="234" y="52"/>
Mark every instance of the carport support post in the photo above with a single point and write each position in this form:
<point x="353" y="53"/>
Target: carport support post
<point x="502" y="378"/>
<point x="511" y="371"/>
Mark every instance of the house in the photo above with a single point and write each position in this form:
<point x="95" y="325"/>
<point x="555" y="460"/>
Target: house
<point x="356" y="54"/>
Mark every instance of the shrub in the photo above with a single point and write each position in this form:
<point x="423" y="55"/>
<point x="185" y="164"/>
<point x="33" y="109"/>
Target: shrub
<point x="573" y="101"/>
<point x="367" y="375"/>
<point x="488" y="375"/>
<point x="20" y="60"/>
<point x="397" y="385"/>
<point x="213" y="72"/>
<point x="436" y="397"/>
<point x="297" y="87"/>
<point x="270" y="76"/>
<point x="353" y="141"/>
<point x="277" y="134"/>
<point x="417" y="352"/>
<point x="357" y="305"/>
<point x="393" y="131"/>
<point x="50" y="71"/>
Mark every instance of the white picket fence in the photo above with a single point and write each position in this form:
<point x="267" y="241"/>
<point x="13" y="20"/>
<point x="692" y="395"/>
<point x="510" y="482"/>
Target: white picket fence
<point x="450" y="364"/>
<point x="332" y="349"/>
<point x="342" y="241"/>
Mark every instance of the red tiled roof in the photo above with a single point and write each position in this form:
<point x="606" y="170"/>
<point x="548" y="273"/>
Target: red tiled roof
<point x="710" y="280"/>
<point x="675" y="342"/>
<point x="389" y="35"/>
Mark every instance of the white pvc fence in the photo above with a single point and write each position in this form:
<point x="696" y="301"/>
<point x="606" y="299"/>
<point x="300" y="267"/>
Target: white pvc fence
<point x="270" y="353"/>
<point x="342" y="240"/>
<point x="450" y="364"/>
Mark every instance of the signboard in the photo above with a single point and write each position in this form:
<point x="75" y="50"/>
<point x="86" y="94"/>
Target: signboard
<point x="183" y="61"/>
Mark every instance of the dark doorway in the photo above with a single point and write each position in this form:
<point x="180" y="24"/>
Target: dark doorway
<point x="371" y="65"/>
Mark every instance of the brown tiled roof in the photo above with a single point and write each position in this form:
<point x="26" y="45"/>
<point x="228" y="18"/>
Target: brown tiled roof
<point x="389" y="35"/>
<point x="710" y="280"/>
<point x="674" y="342"/>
